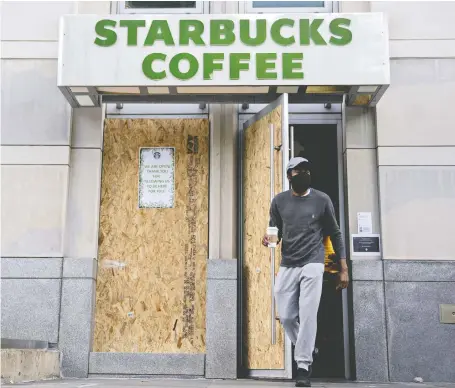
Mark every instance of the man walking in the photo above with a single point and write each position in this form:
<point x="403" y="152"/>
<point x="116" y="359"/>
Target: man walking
<point x="303" y="217"/>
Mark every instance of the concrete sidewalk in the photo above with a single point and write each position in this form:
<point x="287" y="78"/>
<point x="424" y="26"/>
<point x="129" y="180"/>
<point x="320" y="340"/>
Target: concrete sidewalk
<point x="190" y="383"/>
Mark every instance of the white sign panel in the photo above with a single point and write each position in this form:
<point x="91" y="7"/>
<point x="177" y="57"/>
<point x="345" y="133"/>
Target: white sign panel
<point x="156" y="177"/>
<point x="364" y="222"/>
<point x="223" y="50"/>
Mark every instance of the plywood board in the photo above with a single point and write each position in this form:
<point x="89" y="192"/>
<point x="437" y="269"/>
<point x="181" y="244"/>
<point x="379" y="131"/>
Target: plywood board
<point x="259" y="352"/>
<point x="151" y="286"/>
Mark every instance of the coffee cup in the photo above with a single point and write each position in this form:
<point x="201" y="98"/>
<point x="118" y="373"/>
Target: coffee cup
<point x="272" y="236"/>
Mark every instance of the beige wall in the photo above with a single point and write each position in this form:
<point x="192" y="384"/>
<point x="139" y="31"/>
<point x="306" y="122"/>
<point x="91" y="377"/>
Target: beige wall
<point x="40" y="152"/>
<point x="223" y="177"/>
<point x="360" y="156"/>
<point x="415" y="132"/>
<point x="81" y="228"/>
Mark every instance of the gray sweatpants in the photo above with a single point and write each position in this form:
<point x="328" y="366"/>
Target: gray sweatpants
<point x="297" y="296"/>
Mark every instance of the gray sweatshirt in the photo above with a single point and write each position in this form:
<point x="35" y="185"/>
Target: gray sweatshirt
<point x="302" y="223"/>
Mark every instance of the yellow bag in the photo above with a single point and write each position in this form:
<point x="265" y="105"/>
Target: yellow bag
<point x="329" y="265"/>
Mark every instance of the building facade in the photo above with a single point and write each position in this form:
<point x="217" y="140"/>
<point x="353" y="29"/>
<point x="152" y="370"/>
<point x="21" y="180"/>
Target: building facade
<point x="67" y="210"/>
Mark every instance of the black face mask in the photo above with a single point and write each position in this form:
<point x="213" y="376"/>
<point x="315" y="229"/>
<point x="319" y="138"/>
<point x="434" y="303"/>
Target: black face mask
<point x="301" y="182"/>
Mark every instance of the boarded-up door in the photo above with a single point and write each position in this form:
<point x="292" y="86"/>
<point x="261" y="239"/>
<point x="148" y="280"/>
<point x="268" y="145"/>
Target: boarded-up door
<point x="150" y="294"/>
<point x="266" y="350"/>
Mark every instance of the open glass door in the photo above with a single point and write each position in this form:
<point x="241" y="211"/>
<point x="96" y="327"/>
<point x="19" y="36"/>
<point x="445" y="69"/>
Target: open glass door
<point x="265" y="350"/>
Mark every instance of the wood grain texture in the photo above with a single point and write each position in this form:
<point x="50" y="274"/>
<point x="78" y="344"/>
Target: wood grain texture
<point x="259" y="352"/>
<point x="156" y="302"/>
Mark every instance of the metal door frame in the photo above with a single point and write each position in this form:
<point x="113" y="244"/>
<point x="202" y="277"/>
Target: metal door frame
<point x="337" y="119"/>
<point x="339" y="122"/>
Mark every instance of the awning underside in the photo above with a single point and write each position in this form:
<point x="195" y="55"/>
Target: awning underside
<point x="89" y="96"/>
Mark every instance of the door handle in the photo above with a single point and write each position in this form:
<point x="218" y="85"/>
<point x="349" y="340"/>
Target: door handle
<point x="272" y="313"/>
<point x="292" y="141"/>
<point x="272" y="250"/>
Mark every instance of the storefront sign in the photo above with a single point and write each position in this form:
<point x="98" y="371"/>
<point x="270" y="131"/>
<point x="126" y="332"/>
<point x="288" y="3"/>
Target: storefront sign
<point x="366" y="244"/>
<point x="156" y="177"/>
<point x="156" y="50"/>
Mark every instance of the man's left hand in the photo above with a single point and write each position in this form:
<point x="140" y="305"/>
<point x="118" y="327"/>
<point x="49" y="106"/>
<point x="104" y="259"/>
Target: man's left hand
<point x="343" y="276"/>
<point x="343" y="279"/>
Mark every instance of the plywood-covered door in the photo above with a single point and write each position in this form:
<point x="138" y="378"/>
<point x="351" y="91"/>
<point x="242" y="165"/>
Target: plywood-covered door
<point x="151" y="286"/>
<point x="266" y="350"/>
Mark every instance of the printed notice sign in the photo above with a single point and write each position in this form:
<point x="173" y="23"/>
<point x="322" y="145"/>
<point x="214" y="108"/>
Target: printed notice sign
<point x="364" y="223"/>
<point x="156" y="177"/>
<point x="366" y="244"/>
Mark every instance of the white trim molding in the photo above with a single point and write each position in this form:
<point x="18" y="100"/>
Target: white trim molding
<point x="432" y="48"/>
<point x="247" y="7"/>
<point x="201" y="7"/>
<point x="29" y="50"/>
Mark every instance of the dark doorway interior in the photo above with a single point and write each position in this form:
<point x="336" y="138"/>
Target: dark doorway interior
<point x="318" y="143"/>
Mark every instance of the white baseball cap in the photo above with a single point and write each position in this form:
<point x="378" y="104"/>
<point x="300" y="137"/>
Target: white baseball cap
<point x="294" y="162"/>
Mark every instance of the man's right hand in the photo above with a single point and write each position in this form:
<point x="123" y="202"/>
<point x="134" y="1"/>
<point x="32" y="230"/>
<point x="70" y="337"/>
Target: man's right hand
<point x="265" y="240"/>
